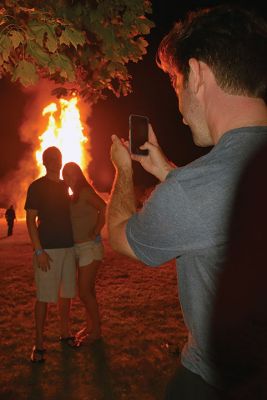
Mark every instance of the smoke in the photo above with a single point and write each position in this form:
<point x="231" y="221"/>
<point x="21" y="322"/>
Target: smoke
<point x="13" y="187"/>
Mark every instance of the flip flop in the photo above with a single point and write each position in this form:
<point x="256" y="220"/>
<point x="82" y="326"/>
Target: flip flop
<point x="37" y="355"/>
<point x="80" y="334"/>
<point x="70" y="341"/>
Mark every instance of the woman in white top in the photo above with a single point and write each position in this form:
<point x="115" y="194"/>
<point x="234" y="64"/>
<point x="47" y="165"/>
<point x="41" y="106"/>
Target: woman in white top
<point x="88" y="218"/>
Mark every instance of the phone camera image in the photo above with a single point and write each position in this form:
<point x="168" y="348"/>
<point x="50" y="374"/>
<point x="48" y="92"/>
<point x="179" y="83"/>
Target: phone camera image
<point x="138" y="133"/>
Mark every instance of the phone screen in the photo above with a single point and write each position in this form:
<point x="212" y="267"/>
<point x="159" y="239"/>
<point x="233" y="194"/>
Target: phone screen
<point x="138" y="133"/>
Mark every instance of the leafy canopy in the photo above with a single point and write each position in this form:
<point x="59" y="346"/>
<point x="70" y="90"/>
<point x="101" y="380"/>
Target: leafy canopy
<point x="82" y="45"/>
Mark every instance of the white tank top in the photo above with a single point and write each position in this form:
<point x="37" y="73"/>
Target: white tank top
<point x="83" y="216"/>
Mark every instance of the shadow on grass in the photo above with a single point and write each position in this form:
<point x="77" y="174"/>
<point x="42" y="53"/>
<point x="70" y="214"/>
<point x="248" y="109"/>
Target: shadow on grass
<point x="67" y="385"/>
<point x="35" y="389"/>
<point x="102" y="371"/>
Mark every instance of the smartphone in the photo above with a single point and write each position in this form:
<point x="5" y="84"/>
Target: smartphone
<point x="138" y="133"/>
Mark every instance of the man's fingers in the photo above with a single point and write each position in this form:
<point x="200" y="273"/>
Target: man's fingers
<point x="135" y="157"/>
<point x="114" y="138"/>
<point x="148" y="146"/>
<point x="151" y="136"/>
<point x="125" y="142"/>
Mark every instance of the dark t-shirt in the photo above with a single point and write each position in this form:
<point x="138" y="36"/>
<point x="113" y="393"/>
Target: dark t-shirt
<point x="51" y="201"/>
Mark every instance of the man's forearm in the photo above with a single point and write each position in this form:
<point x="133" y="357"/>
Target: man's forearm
<point x="121" y="207"/>
<point x="33" y="234"/>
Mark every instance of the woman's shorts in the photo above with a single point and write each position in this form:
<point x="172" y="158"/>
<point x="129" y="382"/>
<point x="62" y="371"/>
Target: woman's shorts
<point x="60" y="279"/>
<point x="87" y="252"/>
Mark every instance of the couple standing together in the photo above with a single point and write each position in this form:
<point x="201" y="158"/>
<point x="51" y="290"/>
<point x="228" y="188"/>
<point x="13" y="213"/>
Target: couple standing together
<point x="64" y="232"/>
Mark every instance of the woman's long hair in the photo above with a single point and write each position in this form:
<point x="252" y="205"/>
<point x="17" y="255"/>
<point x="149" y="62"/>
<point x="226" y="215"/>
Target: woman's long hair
<point x="80" y="179"/>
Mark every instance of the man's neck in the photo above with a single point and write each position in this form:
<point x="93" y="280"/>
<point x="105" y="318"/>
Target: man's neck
<point x="242" y="113"/>
<point x="52" y="176"/>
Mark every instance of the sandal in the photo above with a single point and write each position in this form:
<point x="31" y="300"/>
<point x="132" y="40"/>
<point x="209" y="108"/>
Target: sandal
<point x="80" y="334"/>
<point x="70" y="341"/>
<point x="37" y="355"/>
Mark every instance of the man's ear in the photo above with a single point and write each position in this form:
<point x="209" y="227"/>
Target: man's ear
<point x="195" y="74"/>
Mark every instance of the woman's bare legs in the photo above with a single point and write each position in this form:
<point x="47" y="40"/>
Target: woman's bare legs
<point x="87" y="294"/>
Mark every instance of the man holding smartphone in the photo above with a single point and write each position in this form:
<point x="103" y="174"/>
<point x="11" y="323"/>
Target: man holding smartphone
<point x="222" y="98"/>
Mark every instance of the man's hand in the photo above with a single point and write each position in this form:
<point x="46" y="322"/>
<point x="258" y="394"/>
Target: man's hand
<point x="155" y="162"/>
<point x="43" y="261"/>
<point x="120" y="155"/>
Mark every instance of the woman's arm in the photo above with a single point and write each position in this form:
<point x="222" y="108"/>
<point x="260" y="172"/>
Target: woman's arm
<point x="99" y="204"/>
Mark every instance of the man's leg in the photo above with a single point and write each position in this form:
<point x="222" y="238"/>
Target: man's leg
<point x="40" y="313"/>
<point x="67" y="290"/>
<point x="9" y="230"/>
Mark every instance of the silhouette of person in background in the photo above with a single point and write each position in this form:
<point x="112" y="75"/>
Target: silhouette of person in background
<point x="10" y="216"/>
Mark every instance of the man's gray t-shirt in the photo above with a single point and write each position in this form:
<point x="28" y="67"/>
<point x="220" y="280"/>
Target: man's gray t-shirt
<point x="187" y="218"/>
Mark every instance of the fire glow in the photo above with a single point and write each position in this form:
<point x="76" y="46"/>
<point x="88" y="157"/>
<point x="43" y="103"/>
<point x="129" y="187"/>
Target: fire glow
<point x="65" y="131"/>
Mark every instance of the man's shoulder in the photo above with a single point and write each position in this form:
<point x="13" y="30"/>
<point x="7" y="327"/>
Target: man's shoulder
<point x="37" y="185"/>
<point x="38" y="181"/>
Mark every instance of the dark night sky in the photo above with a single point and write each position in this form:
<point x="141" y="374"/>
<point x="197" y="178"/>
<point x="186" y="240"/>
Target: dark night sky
<point x="152" y="96"/>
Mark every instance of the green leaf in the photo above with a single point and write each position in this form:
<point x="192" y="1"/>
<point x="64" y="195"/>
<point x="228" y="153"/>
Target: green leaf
<point x="72" y="36"/>
<point x="51" y="42"/>
<point x="16" y="38"/>
<point x="5" y="47"/>
<point x="44" y="34"/>
<point x="25" y="72"/>
<point x="142" y="44"/>
<point x="51" y="68"/>
<point x="8" y="68"/>
<point x="64" y="38"/>
<point x="64" y="64"/>
<point x="39" y="31"/>
<point x="143" y="27"/>
<point x="37" y="52"/>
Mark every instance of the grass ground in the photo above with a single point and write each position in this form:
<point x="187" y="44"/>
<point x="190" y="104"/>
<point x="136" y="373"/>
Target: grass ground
<point x="140" y="315"/>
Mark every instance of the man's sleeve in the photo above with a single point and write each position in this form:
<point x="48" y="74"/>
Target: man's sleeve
<point x="166" y="227"/>
<point x="31" y="202"/>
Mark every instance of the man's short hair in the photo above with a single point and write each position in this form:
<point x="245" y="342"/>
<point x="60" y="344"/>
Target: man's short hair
<point x="50" y="152"/>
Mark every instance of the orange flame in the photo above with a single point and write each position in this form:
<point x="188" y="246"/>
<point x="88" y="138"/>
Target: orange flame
<point x="66" y="133"/>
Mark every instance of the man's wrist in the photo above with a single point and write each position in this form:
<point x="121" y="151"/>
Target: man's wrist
<point x="124" y="170"/>
<point x="168" y="167"/>
<point x="38" y="252"/>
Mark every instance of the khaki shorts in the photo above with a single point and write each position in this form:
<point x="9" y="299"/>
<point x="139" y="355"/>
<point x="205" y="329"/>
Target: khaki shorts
<point x="60" y="279"/>
<point x="87" y="252"/>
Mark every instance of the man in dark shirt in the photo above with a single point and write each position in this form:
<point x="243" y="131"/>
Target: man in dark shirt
<point x="50" y="231"/>
<point x="10" y="217"/>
